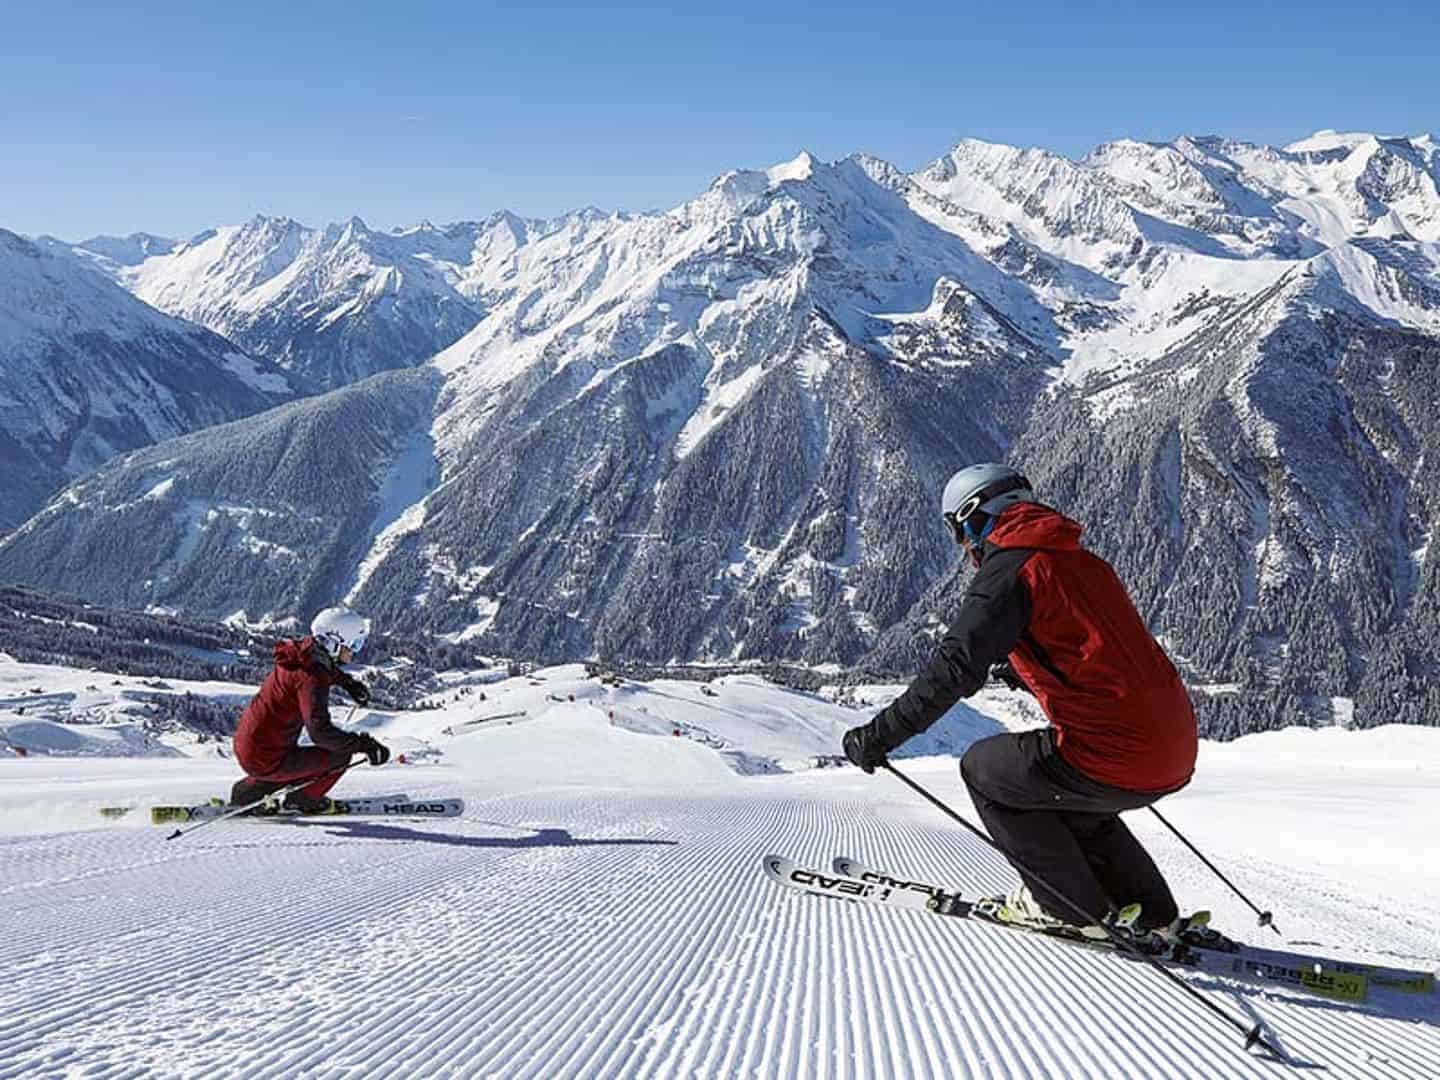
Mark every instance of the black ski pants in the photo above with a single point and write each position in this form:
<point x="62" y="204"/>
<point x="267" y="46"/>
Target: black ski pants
<point x="1064" y="827"/>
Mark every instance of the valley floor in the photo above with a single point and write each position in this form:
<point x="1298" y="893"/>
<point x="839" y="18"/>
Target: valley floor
<point x="599" y="911"/>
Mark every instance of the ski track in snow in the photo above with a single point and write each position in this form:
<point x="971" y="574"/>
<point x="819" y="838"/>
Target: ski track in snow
<point x="567" y="933"/>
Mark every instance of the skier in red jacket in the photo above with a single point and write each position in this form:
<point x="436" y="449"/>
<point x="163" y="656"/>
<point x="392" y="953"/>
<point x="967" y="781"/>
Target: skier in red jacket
<point x="295" y="694"/>
<point x="1054" y="619"/>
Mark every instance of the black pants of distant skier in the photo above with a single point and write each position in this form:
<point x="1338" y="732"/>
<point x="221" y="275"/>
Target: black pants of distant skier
<point x="300" y="762"/>
<point x="1065" y="827"/>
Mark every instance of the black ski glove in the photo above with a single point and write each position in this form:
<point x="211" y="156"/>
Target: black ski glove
<point x="358" y="691"/>
<point x="374" y="749"/>
<point x="1006" y="674"/>
<point x="863" y="747"/>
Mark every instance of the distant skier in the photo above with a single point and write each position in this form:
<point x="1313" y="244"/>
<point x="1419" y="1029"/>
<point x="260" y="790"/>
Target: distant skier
<point x="295" y="694"/>
<point x="1055" y="620"/>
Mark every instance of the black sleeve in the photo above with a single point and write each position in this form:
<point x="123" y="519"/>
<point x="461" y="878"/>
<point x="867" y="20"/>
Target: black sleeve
<point x="995" y="613"/>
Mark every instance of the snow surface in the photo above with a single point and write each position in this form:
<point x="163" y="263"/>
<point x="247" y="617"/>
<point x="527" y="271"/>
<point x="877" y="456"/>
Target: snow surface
<point x="248" y="371"/>
<point x="50" y="710"/>
<point x="403" y="488"/>
<point x="599" y="911"/>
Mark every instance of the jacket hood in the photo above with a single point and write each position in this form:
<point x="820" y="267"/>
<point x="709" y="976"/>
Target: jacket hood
<point x="295" y="653"/>
<point x="1032" y="525"/>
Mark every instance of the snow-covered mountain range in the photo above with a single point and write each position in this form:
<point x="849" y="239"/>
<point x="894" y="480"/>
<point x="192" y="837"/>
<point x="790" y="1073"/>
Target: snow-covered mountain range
<point x="331" y="305"/>
<point x="720" y="431"/>
<point x="87" y="371"/>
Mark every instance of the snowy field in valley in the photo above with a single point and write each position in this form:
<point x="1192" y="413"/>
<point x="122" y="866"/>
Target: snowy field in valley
<point x="599" y="909"/>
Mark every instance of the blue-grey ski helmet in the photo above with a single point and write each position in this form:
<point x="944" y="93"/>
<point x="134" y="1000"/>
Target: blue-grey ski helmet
<point x="975" y="495"/>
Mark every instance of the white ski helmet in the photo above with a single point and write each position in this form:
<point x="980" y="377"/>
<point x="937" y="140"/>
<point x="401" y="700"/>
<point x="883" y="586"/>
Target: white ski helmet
<point x="338" y="627"/>
<point x="975" y="495"/>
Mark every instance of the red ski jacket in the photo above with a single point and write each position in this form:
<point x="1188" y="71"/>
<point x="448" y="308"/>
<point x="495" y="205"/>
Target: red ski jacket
<point x="295" y="694"/>
<point x="1069" y="629"/>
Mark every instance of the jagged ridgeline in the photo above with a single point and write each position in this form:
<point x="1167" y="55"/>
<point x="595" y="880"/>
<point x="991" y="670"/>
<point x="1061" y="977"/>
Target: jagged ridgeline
<point x="329" y="305"/>
<point x="718" y="433"/>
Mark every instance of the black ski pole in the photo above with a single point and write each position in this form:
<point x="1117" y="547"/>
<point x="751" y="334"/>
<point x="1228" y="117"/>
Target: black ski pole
<point x="238" y="810"/>
<point x="1266" y="918"/>
<point x="1253" y="1035"/>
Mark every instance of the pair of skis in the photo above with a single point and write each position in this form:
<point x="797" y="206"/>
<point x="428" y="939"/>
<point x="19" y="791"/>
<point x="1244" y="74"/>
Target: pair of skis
<point x="1338" y="980"/>
<point x="397" y="805"/>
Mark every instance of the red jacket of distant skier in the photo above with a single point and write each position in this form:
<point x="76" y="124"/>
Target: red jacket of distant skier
<point x="295" y="694"/>
<point x="1070" y="631"/>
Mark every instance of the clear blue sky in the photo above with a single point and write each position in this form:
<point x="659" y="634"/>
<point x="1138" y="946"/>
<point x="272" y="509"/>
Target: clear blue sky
<point x="170" y="117"/>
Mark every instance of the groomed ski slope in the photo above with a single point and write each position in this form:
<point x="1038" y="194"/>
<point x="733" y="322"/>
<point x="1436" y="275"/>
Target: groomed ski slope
<point x="599" y="911"/>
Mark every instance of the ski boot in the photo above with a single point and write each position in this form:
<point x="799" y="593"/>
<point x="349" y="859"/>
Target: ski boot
<point x="1019" y="908"/>
<point x="1125" y="927"/>
<point x="298" y="803"/>
<point x="1195" y="930"/>
<point x="269" y="808"/>
<point x="246" y="791"/>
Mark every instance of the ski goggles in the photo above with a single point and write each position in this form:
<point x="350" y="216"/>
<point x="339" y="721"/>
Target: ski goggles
<point x="956" y="518"/>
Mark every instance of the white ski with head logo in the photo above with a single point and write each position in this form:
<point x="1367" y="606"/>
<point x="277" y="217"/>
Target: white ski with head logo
<point x="784" y="872"/>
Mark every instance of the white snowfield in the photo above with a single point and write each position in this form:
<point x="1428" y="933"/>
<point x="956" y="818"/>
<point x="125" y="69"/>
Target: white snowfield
<point x="75" y="712"/>
<point x="599" y="909"/>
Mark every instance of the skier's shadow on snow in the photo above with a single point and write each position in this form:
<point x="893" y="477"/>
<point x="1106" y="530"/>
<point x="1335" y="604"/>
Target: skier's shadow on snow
<point x="536" y="838"/>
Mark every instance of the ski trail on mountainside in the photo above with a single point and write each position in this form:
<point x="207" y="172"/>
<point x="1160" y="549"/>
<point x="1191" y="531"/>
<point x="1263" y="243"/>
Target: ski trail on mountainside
<point x="601" y="933"/>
